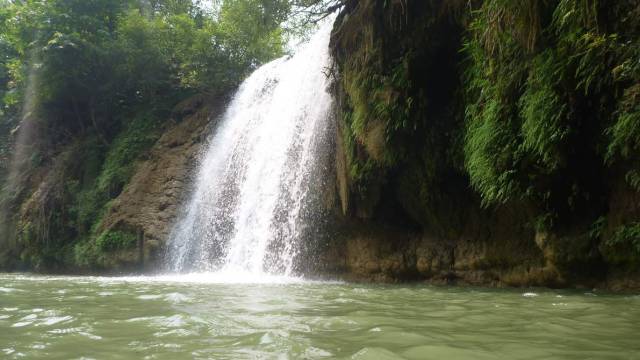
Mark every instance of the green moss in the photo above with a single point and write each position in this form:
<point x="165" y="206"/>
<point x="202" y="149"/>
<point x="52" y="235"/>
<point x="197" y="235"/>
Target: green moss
<point x="382" y="98"/>
<point x="137" y="137"/>
<point x="116" y="240"/>
<point x="84" y="255"/>
<point x="84" y="181"/>
<point x="92" y="200"/>
<point x="104" y="251"/>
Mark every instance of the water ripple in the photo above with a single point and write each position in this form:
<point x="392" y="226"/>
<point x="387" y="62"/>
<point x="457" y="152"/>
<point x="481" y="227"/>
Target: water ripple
<point x="174" y="320"/>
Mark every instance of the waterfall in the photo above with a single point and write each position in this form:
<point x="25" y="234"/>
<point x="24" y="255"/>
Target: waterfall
<point x="259" y="180"/>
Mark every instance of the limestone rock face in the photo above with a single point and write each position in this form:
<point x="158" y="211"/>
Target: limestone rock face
<point x="152" y="199"/>
<point x="368" y="251"/>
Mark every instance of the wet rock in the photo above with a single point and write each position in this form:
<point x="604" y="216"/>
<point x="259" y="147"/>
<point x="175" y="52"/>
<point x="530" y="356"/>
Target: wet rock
<point x="152" y="199"/>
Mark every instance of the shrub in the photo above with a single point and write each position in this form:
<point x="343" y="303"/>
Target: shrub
<point x="116" y="240"/>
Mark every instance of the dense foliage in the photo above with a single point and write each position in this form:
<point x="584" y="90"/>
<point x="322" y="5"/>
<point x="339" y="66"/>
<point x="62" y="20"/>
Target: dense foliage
<point x="552" y="114"/>
<point x="85" y="86"/>
<point x="95" y="59"/>
<point x="530" y="105"/>
<point x="549" y="83"/>
<point x="454" y="110"/>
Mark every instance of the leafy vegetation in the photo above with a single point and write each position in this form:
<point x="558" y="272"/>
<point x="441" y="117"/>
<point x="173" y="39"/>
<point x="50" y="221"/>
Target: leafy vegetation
<point x="538" y="114"/>
<point x="530" y="105"/>
<point x="115" y="240"/>
<point x="622" y="246"/>
<point x="543" y="81"/>
<point x="88" y="84"/>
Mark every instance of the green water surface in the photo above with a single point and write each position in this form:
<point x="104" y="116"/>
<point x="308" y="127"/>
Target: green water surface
<point x="179" y="318"/>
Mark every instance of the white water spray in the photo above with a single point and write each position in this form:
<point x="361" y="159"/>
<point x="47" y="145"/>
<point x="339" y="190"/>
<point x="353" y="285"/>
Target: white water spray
<point x="255" y="190"/>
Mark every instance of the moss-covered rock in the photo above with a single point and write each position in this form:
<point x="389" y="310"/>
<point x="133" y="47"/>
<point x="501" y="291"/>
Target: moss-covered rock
<point x="499" y="133"/>
<point x="151" y="200"/>
<point x="97" y="207"/>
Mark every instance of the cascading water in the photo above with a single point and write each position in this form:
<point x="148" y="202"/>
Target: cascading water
<point x="261" y="174"/>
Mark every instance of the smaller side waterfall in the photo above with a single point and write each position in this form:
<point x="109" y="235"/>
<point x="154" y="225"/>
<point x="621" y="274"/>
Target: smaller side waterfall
<point x="262" y="172"/>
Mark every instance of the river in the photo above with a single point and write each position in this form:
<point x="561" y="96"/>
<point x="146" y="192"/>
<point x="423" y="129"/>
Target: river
<point x="205" y="316"/>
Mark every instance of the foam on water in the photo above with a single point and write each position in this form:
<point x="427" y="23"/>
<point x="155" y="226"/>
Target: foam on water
<point x="219" y="277"/>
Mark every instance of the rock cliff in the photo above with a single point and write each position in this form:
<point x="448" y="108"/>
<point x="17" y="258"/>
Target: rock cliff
<point x="407" y="207"/>
<point x="149" y="204"/>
